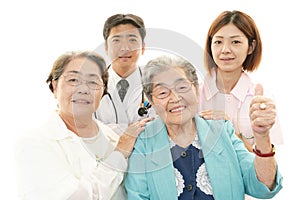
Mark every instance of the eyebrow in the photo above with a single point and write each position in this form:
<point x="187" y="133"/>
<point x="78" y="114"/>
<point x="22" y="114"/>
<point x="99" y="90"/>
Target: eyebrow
<point x="176" y="81"/>
<point x="126" y="35"/>
<point x="79" y="73"/>
<point x="233" y="36"/>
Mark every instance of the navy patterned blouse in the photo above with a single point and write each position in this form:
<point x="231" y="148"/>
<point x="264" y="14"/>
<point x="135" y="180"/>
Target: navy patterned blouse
<point x="192" y="180"/>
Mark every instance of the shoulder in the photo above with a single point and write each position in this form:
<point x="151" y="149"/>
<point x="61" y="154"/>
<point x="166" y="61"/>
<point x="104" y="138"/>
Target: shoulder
<point x="214" y="126"/>
<point x="153" y="127"/>
<point x="105" y="100"/>
<point x="246" y="79"/>
<point x="50" y="128"/>
<point x="208" y="87"/>
<point x="35" y="142"/>
<point x="155" y="134"/>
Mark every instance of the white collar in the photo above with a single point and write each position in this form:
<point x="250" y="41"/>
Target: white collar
<point x="243" y="87"/>
<point x="114" y="78"/>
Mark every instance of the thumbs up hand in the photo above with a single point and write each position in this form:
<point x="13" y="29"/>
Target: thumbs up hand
<point x="262" y="112"/>
<point x="259" y="90"/>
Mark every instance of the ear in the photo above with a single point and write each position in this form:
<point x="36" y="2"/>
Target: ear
<point x="252" y="47"/>
<point x="106" y="48"/>
<point x="54" y="85"/>
<point x="143" y="48"/>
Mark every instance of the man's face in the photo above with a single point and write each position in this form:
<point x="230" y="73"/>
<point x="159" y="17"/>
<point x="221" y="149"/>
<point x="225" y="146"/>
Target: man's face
<point x="124" y="46"/>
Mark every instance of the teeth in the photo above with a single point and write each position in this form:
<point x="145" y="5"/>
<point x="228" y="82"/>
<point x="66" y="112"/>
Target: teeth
<point x="81" y="101"/>
<point x="177" y="109"/>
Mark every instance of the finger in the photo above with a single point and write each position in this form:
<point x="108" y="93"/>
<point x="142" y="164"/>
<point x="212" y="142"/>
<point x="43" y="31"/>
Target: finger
<point x="263" y="114"/>
<point x="206" y="116"/>
<point x="142" y="124"/>
<point x="148" y="119"/>
<point x="205" y="112"/>
<point x="259" y="90"/>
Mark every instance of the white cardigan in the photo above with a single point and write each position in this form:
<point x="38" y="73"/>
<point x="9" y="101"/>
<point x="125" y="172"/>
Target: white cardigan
<point x="52" y="163"/>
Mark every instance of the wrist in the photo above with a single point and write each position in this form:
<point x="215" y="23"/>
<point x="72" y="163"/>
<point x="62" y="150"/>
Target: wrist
<point x="260" y="153"/>
<point x="125" y="144"/>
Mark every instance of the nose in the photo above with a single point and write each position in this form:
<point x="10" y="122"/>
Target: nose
<point x="125" y="46"/>
<point x="226" y="47"/>
<point x="83" y="88"/>
<point x="174" y="96"/>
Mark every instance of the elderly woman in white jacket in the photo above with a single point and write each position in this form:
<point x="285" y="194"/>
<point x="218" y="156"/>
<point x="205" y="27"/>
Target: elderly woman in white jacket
<point x="72" y="155"/>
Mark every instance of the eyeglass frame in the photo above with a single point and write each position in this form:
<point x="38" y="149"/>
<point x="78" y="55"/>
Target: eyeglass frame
<point x="169" y="89"/>
<point x="80" y="82"/>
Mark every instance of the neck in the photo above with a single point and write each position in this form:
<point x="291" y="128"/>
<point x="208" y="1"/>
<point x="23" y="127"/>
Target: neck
<point x="226" y="81"/>
<point x="126" y="71"/>
<point x="83" y="126"/>
<point x="182" y="134"/>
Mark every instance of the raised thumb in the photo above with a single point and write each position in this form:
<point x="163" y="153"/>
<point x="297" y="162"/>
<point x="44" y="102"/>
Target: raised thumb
<point x="259" y="90"/>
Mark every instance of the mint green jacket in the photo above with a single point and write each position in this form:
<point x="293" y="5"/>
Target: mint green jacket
<point x="229" y="165"/>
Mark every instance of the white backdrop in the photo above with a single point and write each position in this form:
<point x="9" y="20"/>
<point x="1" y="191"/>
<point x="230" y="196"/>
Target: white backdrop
<point x="34" y="33"/>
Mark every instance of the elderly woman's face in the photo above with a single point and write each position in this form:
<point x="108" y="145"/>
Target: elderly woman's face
<point x="79" y="88"/>
<point x="175" y="98"/>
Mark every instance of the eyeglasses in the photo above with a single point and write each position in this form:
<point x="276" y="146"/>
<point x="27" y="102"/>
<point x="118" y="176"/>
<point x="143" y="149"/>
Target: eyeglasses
<point x="74" y="80"/>
<point x="162" y="92"/>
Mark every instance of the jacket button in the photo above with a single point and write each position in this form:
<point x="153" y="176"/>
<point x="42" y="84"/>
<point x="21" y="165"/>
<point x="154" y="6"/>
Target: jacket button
<point x="189" y="187"/>
<point x="183" y="154"/>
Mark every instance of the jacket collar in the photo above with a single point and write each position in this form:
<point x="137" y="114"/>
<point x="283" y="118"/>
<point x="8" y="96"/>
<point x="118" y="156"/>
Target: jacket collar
<point x="209" y="132"/>
<point x="159" y="155"/>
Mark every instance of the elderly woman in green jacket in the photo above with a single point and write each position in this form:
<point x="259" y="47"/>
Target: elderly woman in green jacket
<point x="183" y="156"/>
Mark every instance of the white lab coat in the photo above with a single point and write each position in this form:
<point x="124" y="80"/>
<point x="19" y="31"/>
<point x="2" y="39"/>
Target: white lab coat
<point x="52" y="163"/>
<point x="126" y="111"/>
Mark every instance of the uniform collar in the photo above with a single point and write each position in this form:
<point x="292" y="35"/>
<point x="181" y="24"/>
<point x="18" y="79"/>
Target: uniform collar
<point x="243" y="87"/>
<point x="114" y="78"/>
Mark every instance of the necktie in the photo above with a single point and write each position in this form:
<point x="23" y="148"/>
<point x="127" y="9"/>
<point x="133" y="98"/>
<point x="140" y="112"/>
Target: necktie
<point x="122" y="88"/>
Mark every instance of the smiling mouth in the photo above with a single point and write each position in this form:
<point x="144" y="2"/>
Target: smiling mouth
<point x="124" y="56"/>
<point x="177" y="109"/>
<point x="226" y="59"/>
<point x="81" y="101"/>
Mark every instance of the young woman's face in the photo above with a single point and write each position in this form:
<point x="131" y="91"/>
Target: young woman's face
<point x="175" y="98"/>
<point x="79" y="88"/>
<point x="230" y="48"/>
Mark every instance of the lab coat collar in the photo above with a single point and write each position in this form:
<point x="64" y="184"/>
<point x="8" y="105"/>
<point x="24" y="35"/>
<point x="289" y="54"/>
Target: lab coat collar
<point x="114" y="78"/>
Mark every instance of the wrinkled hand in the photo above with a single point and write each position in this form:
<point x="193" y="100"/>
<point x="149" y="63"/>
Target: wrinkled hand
<point x="262" y="116"/>
<point x="214" y="114"/>
<point x="136" y="128"/>
<point x="128" y="138"/>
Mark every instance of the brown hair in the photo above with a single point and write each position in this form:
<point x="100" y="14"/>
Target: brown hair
<point x="118" y="19"/>
<point x="63" y="60"/>
<point x="247" y="25"/>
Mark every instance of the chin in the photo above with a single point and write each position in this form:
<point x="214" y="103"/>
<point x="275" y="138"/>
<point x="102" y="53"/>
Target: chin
<point x="83" y="112"/>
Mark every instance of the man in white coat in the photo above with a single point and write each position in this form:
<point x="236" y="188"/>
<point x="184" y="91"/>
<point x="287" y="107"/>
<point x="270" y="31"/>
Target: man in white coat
<point x="125" y="102"/>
